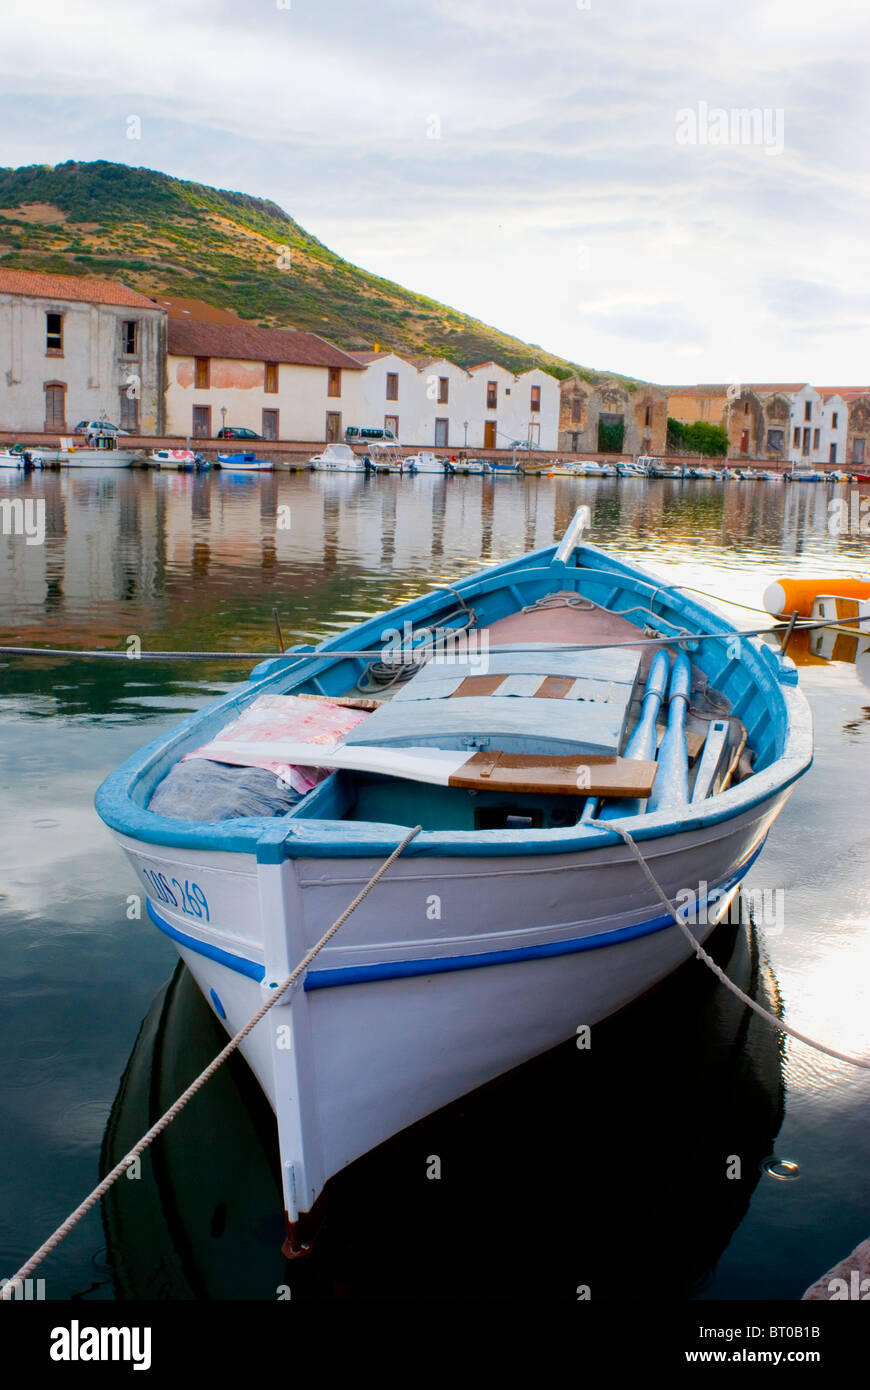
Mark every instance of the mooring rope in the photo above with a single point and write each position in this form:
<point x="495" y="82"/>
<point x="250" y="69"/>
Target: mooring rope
<point x="708" y="960"/>
<point x="63" y="1230"/>
<point x="342" y="654"/>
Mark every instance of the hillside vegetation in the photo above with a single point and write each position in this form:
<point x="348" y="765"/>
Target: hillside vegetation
<point x="161" y="234"/>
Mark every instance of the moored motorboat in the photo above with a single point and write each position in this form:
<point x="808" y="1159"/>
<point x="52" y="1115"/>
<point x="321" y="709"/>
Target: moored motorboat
<point x="244" y="463"/>
<point x="100" y="451"/>
<point x="520" y="716"/>
<point x="338" y="458"/>
<point x="385" y="458"/>
<point x="180" y="459"/>
<point x="465" y="466"/>
<point x="426" y="462"/>
<point x="10" y="458"/>
<point x="657" y="468"/>
<point x="591" y="468"/>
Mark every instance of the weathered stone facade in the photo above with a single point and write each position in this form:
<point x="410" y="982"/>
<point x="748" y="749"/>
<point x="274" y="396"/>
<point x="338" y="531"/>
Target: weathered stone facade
<point x="858" y="436"/>
<point x="583" y="407"/>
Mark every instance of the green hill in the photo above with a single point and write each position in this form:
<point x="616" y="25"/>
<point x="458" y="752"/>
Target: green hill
<point x="161" y="234"/>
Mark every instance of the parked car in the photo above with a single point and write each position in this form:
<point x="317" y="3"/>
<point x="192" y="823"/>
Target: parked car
<point x="354" y="435"/>
<point x="98" y="427"/>
<point x="237" y="432"/>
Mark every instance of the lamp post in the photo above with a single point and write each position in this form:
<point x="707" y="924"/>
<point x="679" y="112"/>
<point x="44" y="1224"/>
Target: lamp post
<point x="465" y="423"/>
<point x="223" y="417"/>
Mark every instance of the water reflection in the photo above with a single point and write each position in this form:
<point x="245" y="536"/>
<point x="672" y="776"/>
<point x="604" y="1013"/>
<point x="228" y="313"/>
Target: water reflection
<point x="183" y="559"/>
<point x="584" y="1164"/>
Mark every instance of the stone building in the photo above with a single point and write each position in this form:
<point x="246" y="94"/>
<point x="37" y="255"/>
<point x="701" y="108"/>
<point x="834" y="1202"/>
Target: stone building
<point x="775" y="422"/>
<point x="610" y="418"/>
<point x="74" y="349"/>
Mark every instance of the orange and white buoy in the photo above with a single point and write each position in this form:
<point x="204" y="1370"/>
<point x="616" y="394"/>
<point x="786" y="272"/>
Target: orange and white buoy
<point x="786" y="596"/>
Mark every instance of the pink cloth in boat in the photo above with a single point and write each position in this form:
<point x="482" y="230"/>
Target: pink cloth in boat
<point x="278" y="719"/>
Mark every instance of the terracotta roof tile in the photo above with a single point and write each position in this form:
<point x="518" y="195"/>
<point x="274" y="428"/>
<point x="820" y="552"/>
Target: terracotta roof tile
<point x="196" y="309"/>
<point x="242" y="342"/>
<point x="74" y="287"/>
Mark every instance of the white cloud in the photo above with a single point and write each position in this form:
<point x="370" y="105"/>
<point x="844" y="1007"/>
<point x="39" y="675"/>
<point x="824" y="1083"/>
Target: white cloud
<point x="557" y="130"/>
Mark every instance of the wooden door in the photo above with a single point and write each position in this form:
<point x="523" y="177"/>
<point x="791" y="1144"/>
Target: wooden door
<point x="55" y="407"/>
<point x="489" y="434"/>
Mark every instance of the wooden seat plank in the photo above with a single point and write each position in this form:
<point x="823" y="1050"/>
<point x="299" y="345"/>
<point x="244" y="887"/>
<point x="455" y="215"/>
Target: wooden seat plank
<point x="556" y="775"/>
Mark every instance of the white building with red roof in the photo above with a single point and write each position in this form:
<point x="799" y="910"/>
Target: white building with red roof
<point x="74" y="349"/>
<point x="224" y="373"/>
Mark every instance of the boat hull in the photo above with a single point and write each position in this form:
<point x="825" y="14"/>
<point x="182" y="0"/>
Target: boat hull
<point x="101" y="458"/>
<point x="417" y="1001"/>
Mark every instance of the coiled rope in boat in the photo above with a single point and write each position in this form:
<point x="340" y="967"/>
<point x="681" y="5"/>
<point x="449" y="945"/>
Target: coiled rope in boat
<point x="63" y="1230"/>
<point x="708" y="960"/>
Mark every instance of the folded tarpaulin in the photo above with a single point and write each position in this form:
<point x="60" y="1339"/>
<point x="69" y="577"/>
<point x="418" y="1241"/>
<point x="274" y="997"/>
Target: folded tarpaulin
<point x="277" y="719"/>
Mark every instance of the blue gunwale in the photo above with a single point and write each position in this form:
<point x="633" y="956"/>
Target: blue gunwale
<point x="766" y="677"/>
<point x="439" y="965"/>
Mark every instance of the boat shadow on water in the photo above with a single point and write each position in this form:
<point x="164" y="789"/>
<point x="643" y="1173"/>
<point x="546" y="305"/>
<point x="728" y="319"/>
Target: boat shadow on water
<point x="623" y="1167"/>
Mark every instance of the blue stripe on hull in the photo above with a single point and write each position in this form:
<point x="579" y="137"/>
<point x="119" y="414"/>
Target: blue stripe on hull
<point x="202" y="948"/>
<point x="402" y="970"/>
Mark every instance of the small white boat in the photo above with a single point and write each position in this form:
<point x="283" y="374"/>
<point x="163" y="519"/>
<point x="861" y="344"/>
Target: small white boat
<point x="426" y="462"/>
<point x="385" y="458"/>
<point x="101" y="451"/>
<point x="9" y="458"/>
<point x="338" y="458"/>
<point x="244" y="463"/>
<point x="518" y="912"/>
<point x="625" y="469"/>
<point x="590" y="468"/>
<point x="465" y="467"/>
<point x="657" y="468"/>
<point x="184" y="459"/>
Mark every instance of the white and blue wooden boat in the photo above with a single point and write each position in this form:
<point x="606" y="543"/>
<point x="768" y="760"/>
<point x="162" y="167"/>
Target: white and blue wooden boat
<point x="518" y="914"/>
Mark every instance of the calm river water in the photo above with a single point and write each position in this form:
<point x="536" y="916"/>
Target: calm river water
<point x="604" y="1168"/>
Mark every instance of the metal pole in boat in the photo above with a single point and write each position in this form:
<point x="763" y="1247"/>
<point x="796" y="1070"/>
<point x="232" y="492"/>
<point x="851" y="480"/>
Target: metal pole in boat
<point x="671" y="787"/>
<point x="786" y="637"/>
<point x="278" y="633"/>
<point x="642" y="744"/>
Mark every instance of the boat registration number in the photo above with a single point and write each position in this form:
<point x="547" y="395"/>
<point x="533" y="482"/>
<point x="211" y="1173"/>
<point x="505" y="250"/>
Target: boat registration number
<point x="187" y="896"/>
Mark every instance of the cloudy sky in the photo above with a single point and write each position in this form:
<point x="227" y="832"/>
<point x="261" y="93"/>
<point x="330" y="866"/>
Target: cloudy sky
<point x="576" y="172"/>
